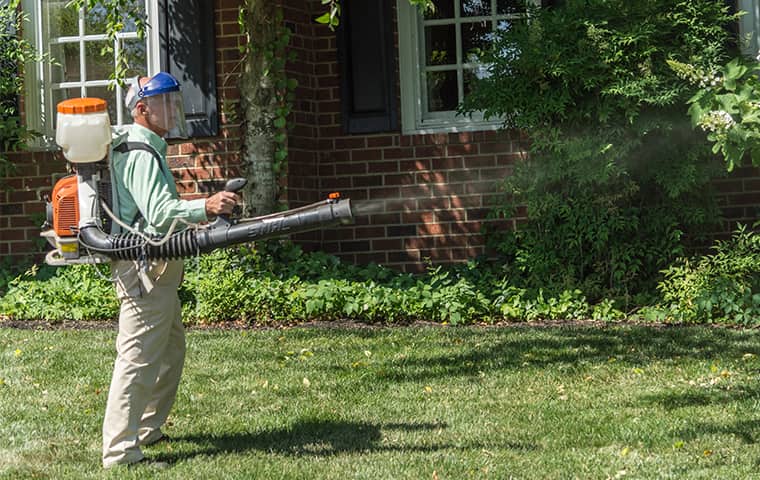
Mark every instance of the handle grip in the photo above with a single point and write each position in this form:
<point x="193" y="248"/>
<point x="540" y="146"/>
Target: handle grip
<point x="235" y="184"/>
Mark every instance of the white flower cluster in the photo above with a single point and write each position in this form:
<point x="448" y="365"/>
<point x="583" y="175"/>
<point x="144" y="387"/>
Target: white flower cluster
<point x="718" y="121"/>
<point x="696" y="76"/>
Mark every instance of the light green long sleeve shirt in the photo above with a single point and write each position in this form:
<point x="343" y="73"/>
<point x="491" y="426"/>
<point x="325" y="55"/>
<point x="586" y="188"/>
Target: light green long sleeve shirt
<point x="147" y="186"/>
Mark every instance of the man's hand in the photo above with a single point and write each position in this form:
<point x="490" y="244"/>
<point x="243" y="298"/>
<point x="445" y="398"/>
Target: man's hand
<point x="220" y="203"/>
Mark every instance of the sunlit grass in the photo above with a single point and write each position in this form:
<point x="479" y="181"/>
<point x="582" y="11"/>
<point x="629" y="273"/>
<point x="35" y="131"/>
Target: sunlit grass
<point x="416" y="403"/>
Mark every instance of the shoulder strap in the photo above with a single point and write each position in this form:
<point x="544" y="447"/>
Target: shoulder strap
<point x="130" y="146"/>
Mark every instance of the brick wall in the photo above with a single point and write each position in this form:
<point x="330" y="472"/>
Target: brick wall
<point x="417" y="197"/>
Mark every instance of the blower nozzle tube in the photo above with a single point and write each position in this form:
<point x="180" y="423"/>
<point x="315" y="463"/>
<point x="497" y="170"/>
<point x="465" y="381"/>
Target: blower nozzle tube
<point x="220" y="233"/>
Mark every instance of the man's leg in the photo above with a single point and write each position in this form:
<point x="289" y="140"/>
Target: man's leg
<point x="144" y="330"/>
<point x="165" y="388"/>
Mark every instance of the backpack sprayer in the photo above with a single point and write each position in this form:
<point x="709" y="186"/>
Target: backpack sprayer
<point x="80" y="225"/>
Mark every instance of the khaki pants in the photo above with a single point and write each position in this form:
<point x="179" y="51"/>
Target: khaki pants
<point x="150" y="353"/>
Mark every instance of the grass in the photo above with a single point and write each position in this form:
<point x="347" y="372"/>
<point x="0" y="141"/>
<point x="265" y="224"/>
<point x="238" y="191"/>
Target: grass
<point x="403" y="403"/>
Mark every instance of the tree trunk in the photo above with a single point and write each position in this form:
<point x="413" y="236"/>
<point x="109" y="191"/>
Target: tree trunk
<point x="259" y="102"/>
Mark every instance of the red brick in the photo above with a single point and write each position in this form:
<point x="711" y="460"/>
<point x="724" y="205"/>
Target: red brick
<point x="464" y="175"/>
<point x="431" y="177"/>
<point x="400" y="204"/>
<point x="387" y="244"/>
<point x="415" y="191"/>
<point x="352" y="142"/>
<point x="499" y="147"/>
<point x="368" y="181"/>
<point x="369" y="232"/>
<point x="17" y="234"/>
<point x="385" y="192"/>
<point x="402" y="152"/>
<point x="479" y="162"/>
<point x="366" y="155"/>
<point x="414" y="165"/>
<point x="446" y="163"/>
<point x="385" y="219"/>
<point x="450" y="215"/>
<point x="462" y="150"/>
<point x="374" y="257"/>
<point x="380" y="141"/>
<point x="466" y="201"/>
<point x="432" y="203"/>
<point x="433" y="229"/>
<point x="428" y="151"/>
<point x="399" y="179"/>
<point x="383" y="167"/>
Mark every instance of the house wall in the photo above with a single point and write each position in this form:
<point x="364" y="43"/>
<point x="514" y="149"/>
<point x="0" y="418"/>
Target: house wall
<point x="418" y="198"/>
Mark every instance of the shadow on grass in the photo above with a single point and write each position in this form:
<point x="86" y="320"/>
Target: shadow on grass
<point x="673" y="400"/>
<point x="315" y="438"/>
<point x="459" y="355"/>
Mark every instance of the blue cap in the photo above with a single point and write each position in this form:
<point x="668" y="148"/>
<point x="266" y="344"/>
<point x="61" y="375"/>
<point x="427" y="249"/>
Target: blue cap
<point x="159" y="83"/>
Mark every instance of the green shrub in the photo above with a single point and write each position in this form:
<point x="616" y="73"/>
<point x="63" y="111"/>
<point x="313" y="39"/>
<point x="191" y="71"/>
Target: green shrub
<point x="615" y="176"/>
<point x="275" y="282"/>
<point x="78" y="292"/>
<point x="720" y="287"/>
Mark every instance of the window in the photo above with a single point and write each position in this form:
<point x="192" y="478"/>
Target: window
<point x="181" y="43"/>
<point x="749" y="26"/>
<point x="438" y="55"/>
<point x="74" y="41"/>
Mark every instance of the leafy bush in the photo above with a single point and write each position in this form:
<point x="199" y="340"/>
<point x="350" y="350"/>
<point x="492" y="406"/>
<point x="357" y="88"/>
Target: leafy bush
<point x="615" y="176"/>
<point x="278" y="282"/>
<point x="79" y="292"/>
<point x="726" y="107"/>
<point x="721" y="287"/>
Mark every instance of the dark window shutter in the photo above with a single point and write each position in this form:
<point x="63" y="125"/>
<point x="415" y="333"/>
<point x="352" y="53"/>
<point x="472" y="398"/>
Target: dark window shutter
<point x="365" y="57"/>
<point x="187" y="51"/>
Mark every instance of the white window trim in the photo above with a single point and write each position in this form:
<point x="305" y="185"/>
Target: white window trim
<point x="38" y="106"/>
<point x="409" y="22"/>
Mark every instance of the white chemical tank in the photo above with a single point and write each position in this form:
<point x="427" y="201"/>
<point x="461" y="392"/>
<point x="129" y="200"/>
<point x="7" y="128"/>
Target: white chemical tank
<point x="83" y="129"/>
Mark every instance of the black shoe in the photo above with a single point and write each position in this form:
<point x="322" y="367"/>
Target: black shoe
<point x="162" y="439"/>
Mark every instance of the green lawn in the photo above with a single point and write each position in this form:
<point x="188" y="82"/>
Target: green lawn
<point x="416" y="403"/>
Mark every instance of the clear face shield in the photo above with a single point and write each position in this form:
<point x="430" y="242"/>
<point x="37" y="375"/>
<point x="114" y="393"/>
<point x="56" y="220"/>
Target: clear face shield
<point x="167" y="112"/>
<point x="162" y="97"/>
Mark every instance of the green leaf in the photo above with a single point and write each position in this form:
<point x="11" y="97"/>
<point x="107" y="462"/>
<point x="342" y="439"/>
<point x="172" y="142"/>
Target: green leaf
<point x="324" y="18"/>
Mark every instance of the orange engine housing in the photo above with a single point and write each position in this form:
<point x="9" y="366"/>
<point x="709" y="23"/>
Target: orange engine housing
<point x="65" y="202"/>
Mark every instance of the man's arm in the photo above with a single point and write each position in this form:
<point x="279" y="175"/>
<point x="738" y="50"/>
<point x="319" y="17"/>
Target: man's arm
<point x="153" y="196"/>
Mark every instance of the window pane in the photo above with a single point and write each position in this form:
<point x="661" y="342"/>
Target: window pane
<point x="476" y="8"/>
<point x="109" y="96"/>
<point x="443" y="9"/>
<point x="134" y="50"/>
<point x="96" y="20"/>
<point x="442" y="91"/>
<point x="440" y="45"/>
<point x="476" y="37"/>
<point x="66" y="63"/>
<point x="60" y="94"/>
<point x="61" y="21"/>
<point x="99" y="67"/>
<point x="470" y="76"/>
<point x="504" y="7"/>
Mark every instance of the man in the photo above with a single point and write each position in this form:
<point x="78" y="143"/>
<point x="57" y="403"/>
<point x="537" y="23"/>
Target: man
<point x="151" y="341"/>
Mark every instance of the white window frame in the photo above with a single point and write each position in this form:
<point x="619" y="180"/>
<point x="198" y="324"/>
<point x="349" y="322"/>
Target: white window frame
<point x="414" y="119"/>
<point x="749" y="27"/>
<point x="38" y="107"/>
